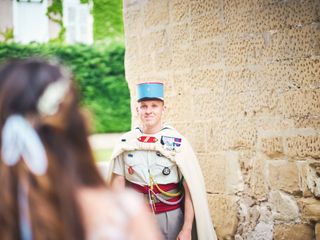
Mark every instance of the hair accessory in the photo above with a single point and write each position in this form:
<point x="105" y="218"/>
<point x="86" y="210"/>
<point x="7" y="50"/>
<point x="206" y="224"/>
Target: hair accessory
<point x="19" y="139"/>
<point x="48" y="103"/>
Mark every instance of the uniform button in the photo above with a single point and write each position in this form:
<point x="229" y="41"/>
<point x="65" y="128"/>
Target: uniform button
<point x="166" y="171"/>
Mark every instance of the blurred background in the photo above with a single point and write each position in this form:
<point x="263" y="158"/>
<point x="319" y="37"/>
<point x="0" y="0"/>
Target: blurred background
<point x="87" y="36"/>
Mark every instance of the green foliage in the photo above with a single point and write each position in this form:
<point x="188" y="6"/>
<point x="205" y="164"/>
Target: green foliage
<point x="55" y="13"/>
<point x="99" y="71"/>
<point x="108" y="21"/>
<point x="7" y="35"/>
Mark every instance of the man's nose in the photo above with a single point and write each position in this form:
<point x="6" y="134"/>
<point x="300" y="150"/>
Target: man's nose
<point x="148" y="110"/>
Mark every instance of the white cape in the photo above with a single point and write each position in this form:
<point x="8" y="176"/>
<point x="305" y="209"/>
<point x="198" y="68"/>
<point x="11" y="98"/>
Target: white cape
<point x="188" y="164"/>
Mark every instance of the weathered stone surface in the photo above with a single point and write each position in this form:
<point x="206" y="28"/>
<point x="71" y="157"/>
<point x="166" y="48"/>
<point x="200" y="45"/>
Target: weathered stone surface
<point x="300" y="103"/>
<point x="272" y="147"/>
<point x="293" y="232"/>
<point x="224" y="214"/>
<point x="303" y="146"/>
<point x="313" y="178"/>
<point x="156" y="13"/>
<point x="310" y="208"/>
<point x="255" y="221"/>
<point x="284" y="207"/>
<point x="304" y="179"/>
<point x="214" y="171"/>
<point x="283" y="175"/>
<point x="179" y="10"/>
<point x="317" y="231"/>
<point x="258" y="180"/>
<point x="242" y="84"/>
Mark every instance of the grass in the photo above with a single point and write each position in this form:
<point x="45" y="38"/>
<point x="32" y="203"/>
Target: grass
<point x="102" y="154"/>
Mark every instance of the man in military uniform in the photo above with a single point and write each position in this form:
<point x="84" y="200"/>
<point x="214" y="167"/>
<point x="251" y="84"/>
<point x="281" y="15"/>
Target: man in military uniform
<point x="159" y="163"/>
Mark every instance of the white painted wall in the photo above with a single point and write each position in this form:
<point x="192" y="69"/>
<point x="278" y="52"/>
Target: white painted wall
<point x="30" y="22"/>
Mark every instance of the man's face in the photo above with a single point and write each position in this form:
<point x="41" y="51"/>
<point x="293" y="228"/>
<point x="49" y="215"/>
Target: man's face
<point x="150" y="112"/>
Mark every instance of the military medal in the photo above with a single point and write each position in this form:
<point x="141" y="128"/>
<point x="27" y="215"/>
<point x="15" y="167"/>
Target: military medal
<point x="166" y="171"/>
<point x="170" y="142"/>
<point x="147" y="139"/>
<point x="130" y="170"/>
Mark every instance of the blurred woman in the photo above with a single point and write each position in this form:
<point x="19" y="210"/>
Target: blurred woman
<point x="50" y="186"/>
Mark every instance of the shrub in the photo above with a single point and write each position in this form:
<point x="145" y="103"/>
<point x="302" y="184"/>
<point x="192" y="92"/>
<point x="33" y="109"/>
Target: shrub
<point x="99" y="71"/>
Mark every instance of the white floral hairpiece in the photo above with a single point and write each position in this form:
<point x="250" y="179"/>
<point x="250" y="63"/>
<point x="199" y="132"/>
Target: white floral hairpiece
<point x="20" y="139"/>
<point x="53" y="95"/>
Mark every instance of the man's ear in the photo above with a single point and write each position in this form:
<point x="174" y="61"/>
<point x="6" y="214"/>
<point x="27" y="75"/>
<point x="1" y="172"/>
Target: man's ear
<point x="164" y="109"/>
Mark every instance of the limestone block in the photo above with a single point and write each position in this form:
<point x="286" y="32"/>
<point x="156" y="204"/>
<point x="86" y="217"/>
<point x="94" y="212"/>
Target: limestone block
<point x="317" y="231"/>
<point x="241" y="133"/>
<point x="179" y="10"/>
<point x="234" y="179"/>
<point x="307" y="122"/>
<point x="224" y="214"/>
<point x="154" y="41"/>
<point x="258" y="181"/>
<point x="144" y="64"/>
<point x="293" y="232"/>
<point x="255" y="222"/>
<point x="129" y="3"/>
<point x="216" y="136"/>
<point x="294" y="74"/>
<point x="132" y="46"/>
<point x="302" y="13"/>
<point x="214" y="171"/>
<point x="309" y="208"/>
<point x="179" y="79"/>
<point x="243" y="50"/>
<point x="260" y="103"/>
<point x="271" y="17"/>
<point x="207" y="80"/>
<point x="131" y="69"/>
<point x="156" y="13"/>
<point x="273" y="123"/>
<point x="207" y="26"/>
<point x="203" y="107"/>
<point x="163" y="60"/>
<point x="133" y="22"/>
<point x="206" y="53"/>
<point x="300" y="103"/>
<point x="245" y="161"/>
<point x="179" y="35"/>
<point x="313" y="178"/>
<point x="285" y="207"/>
<point x="239" y="21"/>
<point x="305" y="180"/>
<point x="303" y="146"/>
<point x="283" y="175"/>
<point x="293" y="43"/>
<point x="178" y="108"/>
<point x="243" y="80"/>
<point x="273" y="146"/>
<point x="238" y="6"/>
<point x="202" y="7"/>
<point x="181" y="58"/>
<point x="196" y="134"/>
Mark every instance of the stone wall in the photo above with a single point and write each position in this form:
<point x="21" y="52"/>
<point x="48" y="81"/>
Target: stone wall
<point x="242" y="82"/>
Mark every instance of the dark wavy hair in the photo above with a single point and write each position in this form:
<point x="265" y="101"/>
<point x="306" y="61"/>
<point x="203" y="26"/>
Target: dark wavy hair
<point x="54" y="211"/>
